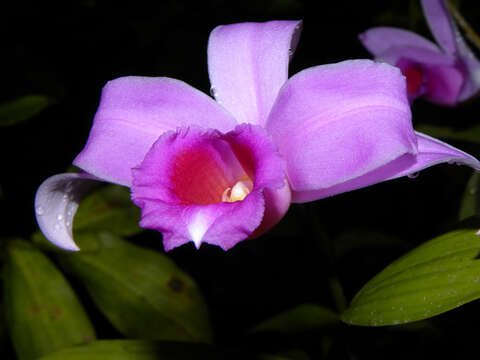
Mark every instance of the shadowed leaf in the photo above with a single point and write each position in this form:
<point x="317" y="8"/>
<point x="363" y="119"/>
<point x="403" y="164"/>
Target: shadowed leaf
<point x="43" y="313"/>
<point x="140" y="350"/>
<point x="142" y="292"/>
<point x="301" y="318"/>
<point x="21" y="109"/>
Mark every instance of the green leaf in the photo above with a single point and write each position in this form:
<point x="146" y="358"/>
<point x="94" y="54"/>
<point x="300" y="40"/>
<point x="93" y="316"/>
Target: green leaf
<point x="440" y="275"/>
<point x="108" y="208"/>
<point x="142" y="292"/>
<point x="471" y="134"/>
<point x="139" y="350"/>
<point x="470" y="204"/>
<point x="302" y="318"/>
<point x="290" y="355"/>
<point x="21" y="109"/>
<point x="43" y="313"/>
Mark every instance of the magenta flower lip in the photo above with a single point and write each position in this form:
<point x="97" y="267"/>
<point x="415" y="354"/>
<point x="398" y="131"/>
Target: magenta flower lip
<point x="445" y="74"/>
<point x="223" y="170"/>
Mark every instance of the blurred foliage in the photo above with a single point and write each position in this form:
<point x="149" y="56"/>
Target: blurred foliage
<point x="139" y="350"/>
<point x="299" y="319"/>
<point x="21" y="109"/>
<point x="470" y="205"/>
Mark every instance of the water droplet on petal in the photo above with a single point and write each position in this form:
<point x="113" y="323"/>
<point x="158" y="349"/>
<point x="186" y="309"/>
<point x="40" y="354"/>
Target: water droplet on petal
<point x="59" y="217"/>
<point x="413" y="175"/>
<point x="213" y="92"/>
<point x="40" y="210"/>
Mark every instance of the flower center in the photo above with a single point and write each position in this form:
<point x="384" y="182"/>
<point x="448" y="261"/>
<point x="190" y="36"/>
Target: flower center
<point x="238" y="192"/>
<point x="415" y="78"/>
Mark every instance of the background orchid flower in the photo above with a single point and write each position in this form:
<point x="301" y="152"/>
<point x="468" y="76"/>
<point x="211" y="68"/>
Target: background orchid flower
<point x="223" y="171"/>
<point x="445" y="73"/>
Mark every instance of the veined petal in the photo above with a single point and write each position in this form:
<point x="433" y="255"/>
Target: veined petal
<point x="56" y="203"/>
<point x="334" y="123"/>
<point x="430" y="152"/>
<point x="133" y="113"/>
<point x="440" y="23"/>
<point x="182" y="182"/>
<point x="380" y="39"/>
<point x="248" y="63"/>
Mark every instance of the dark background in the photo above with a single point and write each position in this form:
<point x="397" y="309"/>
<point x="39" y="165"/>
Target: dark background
<point x="69" y="50"/>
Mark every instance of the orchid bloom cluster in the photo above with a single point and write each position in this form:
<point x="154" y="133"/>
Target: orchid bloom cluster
<point x="223" y="170"/>
<point x="446" y="73"/>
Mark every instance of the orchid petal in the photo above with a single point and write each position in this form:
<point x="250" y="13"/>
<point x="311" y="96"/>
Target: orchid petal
<point x="248" y="63"/>
<point x="133" y="113"/>
<point x="430" y="152"/>
<point x="419" y="55"/>
<point x="56" y="203"/>
<point x="442" y="75"/>
<point x="440" y="24"/>
<point x="179" y="184"/>
<point x="472" y="68"/>
<point x="333" y="123"/>
<point x="443" y="84"/>
<point x="380" y="39"/>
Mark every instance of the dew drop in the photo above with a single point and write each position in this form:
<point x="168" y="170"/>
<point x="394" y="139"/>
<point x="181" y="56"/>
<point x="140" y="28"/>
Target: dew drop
<point x="213" y="92"/>
<point x="68" y="223"/>
<point x="413" y="175"/>
<point x="40" y="210"/>
<point x="59" y="217"/>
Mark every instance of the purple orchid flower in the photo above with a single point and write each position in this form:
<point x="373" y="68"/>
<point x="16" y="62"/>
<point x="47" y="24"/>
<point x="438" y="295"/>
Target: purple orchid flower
<point x="443" y="75"/>
<point x="221" y="172"/>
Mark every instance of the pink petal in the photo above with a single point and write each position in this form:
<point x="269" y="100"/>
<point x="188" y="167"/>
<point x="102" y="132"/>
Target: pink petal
<point x="180" y="183"/>
<point x="133" y="113"/>
<point x="430" y="152"/>
<point x="443" y="84"/>
<point x="380" y="39"/>
<point x="439" y="83"/>
<point x="442" y="76"/>
<point x="440" y="23"/>
<point x="334" y="123"/>
<point x="56" y="203"/>
<point x="248" y="63"/>
<point x="448" y="36"/>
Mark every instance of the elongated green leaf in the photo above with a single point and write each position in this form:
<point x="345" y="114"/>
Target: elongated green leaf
<point x="438" y="276"/>
<point x="471" y="198"/>
<point x="43" y="313"/>
<point x="143" y="293"/>
<point x="139" y="350"/>
<point x="301" y="318"/>
<point x="471" y="134"/>
<point x="22" y="109"/>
